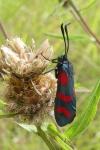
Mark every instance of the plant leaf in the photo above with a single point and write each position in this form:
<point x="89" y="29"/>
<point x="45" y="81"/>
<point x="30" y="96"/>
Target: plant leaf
<point x="7" y="115"/>
<point x="63" y="144"/>
<point x="62" y="140"/>
<point x="55" y="132"/>
<point x="90" y="3"/>
<point x="30" y="128"/>
<point x="87" y="115"/>
<point x="2" y="104"/>
<point x="8" y="8"/>
<point x="72" y="37"/>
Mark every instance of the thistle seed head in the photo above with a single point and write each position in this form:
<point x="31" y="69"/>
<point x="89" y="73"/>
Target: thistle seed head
<point x="29" y="92"/>
<point x="22" y="60"/>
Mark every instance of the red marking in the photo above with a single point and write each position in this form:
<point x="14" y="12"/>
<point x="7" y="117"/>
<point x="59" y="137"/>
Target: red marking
<point x="64" y="97"/>
<point x="63" y="78"/>
<point x="63" y="110"/>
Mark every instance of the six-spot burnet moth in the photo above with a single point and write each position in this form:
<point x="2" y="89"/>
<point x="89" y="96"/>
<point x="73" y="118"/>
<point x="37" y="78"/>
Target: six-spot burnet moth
<point x="65" y="101"/>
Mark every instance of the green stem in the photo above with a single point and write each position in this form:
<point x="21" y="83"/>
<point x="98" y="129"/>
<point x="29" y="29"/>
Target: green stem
<point x="76" y="13"/>
<point x="9" y="115"/>
<point x="3" y="31"/>
<point x="45" y="138"/>
<point x="60" y="139"/>
<point x="81" y="20"/>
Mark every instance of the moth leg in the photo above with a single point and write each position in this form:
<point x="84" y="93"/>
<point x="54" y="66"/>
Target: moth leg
<point x="52" y="60"/>
<point x="48" y="71"/>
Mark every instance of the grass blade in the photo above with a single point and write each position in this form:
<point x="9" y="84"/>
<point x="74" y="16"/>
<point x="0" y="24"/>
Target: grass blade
<point x="7" y="115"/>
<point x="59" y="138"/>
<point x="30" y="128"/>
<point x="87" y="115"/>
<point x="90" y="3"/>
<point x="72" y="37"/>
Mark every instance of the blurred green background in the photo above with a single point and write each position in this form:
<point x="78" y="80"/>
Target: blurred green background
<point x="39" y="19"/>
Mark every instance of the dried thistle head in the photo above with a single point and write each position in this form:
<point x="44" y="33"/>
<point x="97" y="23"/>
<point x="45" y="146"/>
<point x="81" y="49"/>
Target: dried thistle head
<point x="21" y="60"/>
<point x="30" y="93"/>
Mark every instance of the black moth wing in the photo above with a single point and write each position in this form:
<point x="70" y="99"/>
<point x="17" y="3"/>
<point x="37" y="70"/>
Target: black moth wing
<point x="65" y="101"/>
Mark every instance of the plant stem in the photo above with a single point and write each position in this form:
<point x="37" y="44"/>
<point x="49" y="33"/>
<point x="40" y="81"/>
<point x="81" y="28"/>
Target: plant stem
<point x="81" y="20"/>
<point x="3" y="31"/>
<point x="76" y="13"/>
<point x="60" y="139"/>
<point x="9" y="115"/>
<point x="43" y="135"/>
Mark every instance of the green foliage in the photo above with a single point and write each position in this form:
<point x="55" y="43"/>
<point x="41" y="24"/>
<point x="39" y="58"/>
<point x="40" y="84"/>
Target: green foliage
<point x="2" y="104"/>
<point x="31" y="19"/>
<point x="4" y="114"/>
<point x="8" y="8"/>
<point x="81" y="123"/>
<point x="88" y="5"/>
<point x="7" y="115"/>
<point x="75" y="38"/>
<point x="29" y="128"/>
<point x="88" y="113"/>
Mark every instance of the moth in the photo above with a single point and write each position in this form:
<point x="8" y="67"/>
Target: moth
<point x="65" y="100"/>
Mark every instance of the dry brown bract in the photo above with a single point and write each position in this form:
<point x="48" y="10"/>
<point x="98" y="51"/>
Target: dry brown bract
<point x="29" y="91"/>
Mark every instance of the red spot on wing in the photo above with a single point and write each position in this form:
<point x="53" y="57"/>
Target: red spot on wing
<point x="64" y="97"/>
<point x="63" y="78"/>
<point x="63" y="111"/>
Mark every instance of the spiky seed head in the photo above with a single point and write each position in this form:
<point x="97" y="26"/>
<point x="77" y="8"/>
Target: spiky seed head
<point x="29" y="92"/>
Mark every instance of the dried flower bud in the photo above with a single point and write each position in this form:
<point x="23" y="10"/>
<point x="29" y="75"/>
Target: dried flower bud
<point x="29" y="92"/>
<point x="22" y="60"/>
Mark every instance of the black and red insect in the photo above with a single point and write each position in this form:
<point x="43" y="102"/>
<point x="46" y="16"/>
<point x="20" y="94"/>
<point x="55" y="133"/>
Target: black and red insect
<point x="65" y="101"/>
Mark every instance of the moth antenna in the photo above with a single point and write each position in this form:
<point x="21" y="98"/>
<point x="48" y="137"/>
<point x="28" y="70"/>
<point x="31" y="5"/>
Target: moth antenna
<point x="67" y="36"/>
<point x="64" y="31"/>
